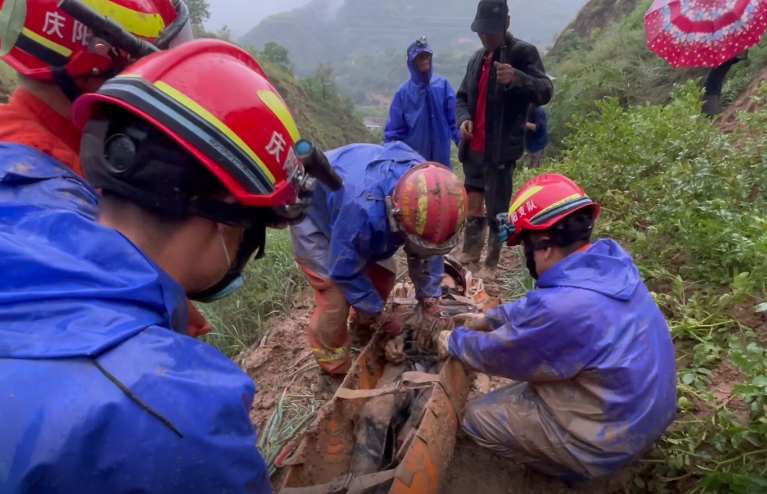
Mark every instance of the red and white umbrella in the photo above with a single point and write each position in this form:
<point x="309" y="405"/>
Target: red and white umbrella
<point x="704" y="33"/>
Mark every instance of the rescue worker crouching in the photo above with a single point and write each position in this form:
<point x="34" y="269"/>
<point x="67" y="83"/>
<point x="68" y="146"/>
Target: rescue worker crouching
<point x="102" y="391"/>
<point x="589" y="346"/>
<point x="345" y="247"/>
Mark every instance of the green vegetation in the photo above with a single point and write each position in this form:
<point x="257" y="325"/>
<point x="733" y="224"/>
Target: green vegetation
<point x="7" y="82"/>
<point x="689" y="203"/>
<point x="613" y="62"/>
<point x="371" y="67"/>
<point x="271" y="285"/>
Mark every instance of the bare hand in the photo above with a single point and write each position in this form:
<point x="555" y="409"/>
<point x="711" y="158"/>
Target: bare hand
<point x="474" y="322"/>
<point x="395" y="349"/>
<point x="467" y="129"/>
<point x="504" y="73"/>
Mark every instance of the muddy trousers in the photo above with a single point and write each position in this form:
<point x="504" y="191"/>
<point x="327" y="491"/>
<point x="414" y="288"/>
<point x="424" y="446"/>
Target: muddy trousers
<point x="328" y="327"/>
<point x="513" y="423"/>
<point x="495" y="183"/>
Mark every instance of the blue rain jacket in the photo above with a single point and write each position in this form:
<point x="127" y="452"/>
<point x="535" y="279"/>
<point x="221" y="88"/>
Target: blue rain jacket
<point x="597" y="355"/>
<point x="422" y="114"/>
<point x="348" y="229"/>
<point x="83" y="313"/>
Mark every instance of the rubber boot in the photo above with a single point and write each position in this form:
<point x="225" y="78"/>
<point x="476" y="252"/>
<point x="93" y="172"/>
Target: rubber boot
<point x="489" y="269"/>
<point x="472" y="240"/>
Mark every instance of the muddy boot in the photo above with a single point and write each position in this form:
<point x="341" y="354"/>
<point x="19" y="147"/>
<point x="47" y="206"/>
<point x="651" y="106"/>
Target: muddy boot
<point x="327" y="385"/>
<point x="473" y="236"/>
<point x="489" y="269"/>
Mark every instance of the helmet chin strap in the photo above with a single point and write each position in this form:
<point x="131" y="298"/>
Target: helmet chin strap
<point x="65" y="82"/>
<point x="226" y="251"/>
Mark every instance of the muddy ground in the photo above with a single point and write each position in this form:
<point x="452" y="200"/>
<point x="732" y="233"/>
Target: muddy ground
<point x="282" y="363"/>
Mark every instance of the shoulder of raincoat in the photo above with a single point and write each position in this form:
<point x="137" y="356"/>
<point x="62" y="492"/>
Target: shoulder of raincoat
<point x="348" y="229"/>
<point x="101" y="391"/>
<point x="595" y="347"/>
<point x="422" y="113"/>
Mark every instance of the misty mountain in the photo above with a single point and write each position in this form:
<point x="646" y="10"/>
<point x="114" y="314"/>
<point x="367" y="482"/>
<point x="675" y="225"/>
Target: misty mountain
<point x="335" y="31"/>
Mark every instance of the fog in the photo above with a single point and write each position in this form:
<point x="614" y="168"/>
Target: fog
<point x="241" y="15"/>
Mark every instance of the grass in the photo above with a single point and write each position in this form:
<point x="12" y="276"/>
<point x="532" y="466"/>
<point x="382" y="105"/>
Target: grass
<point x="271" y="286"/>
<point x="689" y="203"/>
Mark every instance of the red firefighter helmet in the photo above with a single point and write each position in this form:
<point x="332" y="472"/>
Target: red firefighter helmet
<point x="51" y="43"/>
<point x="542" y="202"/>
<point x="214" y="99"/>
<point x="429" y="205"/>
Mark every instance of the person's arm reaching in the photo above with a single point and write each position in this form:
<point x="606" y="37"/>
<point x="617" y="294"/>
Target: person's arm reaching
<point x="462" y="112"/>
<point x="396" y="126"/>
<point x="350" y="236"/>
<point x="534" y="340"/>
<point x="426" y="275"/>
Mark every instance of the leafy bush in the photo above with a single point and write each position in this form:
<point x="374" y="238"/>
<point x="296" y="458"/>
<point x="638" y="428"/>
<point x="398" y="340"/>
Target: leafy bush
<point x="689" y="203"/>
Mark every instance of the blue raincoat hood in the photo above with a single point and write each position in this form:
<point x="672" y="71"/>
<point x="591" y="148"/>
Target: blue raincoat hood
<point x="604" y="268"/>
<point x="101" y="390"/>
<point x="422" y="113"/>
<point x="416" y="76"/>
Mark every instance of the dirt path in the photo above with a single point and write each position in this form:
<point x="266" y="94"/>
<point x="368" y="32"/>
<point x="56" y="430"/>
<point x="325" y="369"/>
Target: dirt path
<point x="282" y="363"/>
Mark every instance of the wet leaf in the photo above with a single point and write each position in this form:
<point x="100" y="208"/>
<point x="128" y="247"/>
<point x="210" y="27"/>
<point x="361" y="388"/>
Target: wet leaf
<point x="12" y="18"/>
<point x="761" y="307"/>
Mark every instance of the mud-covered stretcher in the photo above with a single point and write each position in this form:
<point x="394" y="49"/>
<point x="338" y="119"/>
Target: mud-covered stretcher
<point x="359" y="443"/>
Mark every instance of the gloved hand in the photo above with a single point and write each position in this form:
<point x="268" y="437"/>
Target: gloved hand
<point x="441" y="343"/>
<point x="386" y="323"/>
<point x="432" y="321"/>
<point x="474" y="322"/>
<point x="395" y="349"/>
<point x="506" y="229"/>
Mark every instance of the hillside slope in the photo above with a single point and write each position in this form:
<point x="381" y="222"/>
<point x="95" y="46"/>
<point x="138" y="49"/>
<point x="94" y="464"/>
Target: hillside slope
<point x="595" y="15"/>
<point x="328" y="125"/>
<point x="324" y="32"/>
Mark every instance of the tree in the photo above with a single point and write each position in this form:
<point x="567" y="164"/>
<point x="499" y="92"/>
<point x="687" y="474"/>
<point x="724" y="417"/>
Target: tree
<point x="198" y="11"/>
<point x="278" y="54"/>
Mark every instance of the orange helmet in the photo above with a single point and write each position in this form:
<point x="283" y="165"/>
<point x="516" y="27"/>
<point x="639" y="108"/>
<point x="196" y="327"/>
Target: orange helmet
<point x="541" y="203"/>
<point x="429" y="205"/>
<point x="52" y="45"/>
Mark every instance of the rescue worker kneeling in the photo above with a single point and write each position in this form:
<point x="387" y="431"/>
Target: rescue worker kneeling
<point x="590" y="347"/>
<point x="346" y="245"/>
<point x="101" y="389"/>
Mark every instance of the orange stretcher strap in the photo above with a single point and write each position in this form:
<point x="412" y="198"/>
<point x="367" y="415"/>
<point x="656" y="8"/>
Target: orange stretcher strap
<point x="410" y="381"/>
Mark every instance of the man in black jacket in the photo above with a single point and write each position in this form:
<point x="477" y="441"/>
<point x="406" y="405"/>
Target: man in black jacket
<point x="502" y="80"/>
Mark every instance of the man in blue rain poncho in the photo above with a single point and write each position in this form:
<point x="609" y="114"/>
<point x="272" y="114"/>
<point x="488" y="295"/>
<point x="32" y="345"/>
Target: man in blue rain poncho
<point x="589" y="347"/>
<point x="422" y="114"/>
<point x="345" y="247"/>
<point x="101" y="389"/>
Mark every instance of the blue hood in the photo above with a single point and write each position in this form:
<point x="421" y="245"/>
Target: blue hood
<point x="416" y="75"/>
<point x="604" y="268"/>
<point x="101" y="297"/>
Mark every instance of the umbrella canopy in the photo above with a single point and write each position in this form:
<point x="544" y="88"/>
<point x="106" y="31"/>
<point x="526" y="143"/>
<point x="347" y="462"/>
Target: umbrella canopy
<point x="704" y="33"/>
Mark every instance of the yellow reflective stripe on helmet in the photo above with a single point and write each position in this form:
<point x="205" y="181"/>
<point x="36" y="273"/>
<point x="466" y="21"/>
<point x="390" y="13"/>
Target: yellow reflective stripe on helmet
<point x="559" y="203"/>
<point x="274" y="103"/>
<point x="138" y="23"/>
<point x="61" y="50"/>
<point x="189" y="103"/>
<point x="527" y="195"/>
<point x="423" y="205"/>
